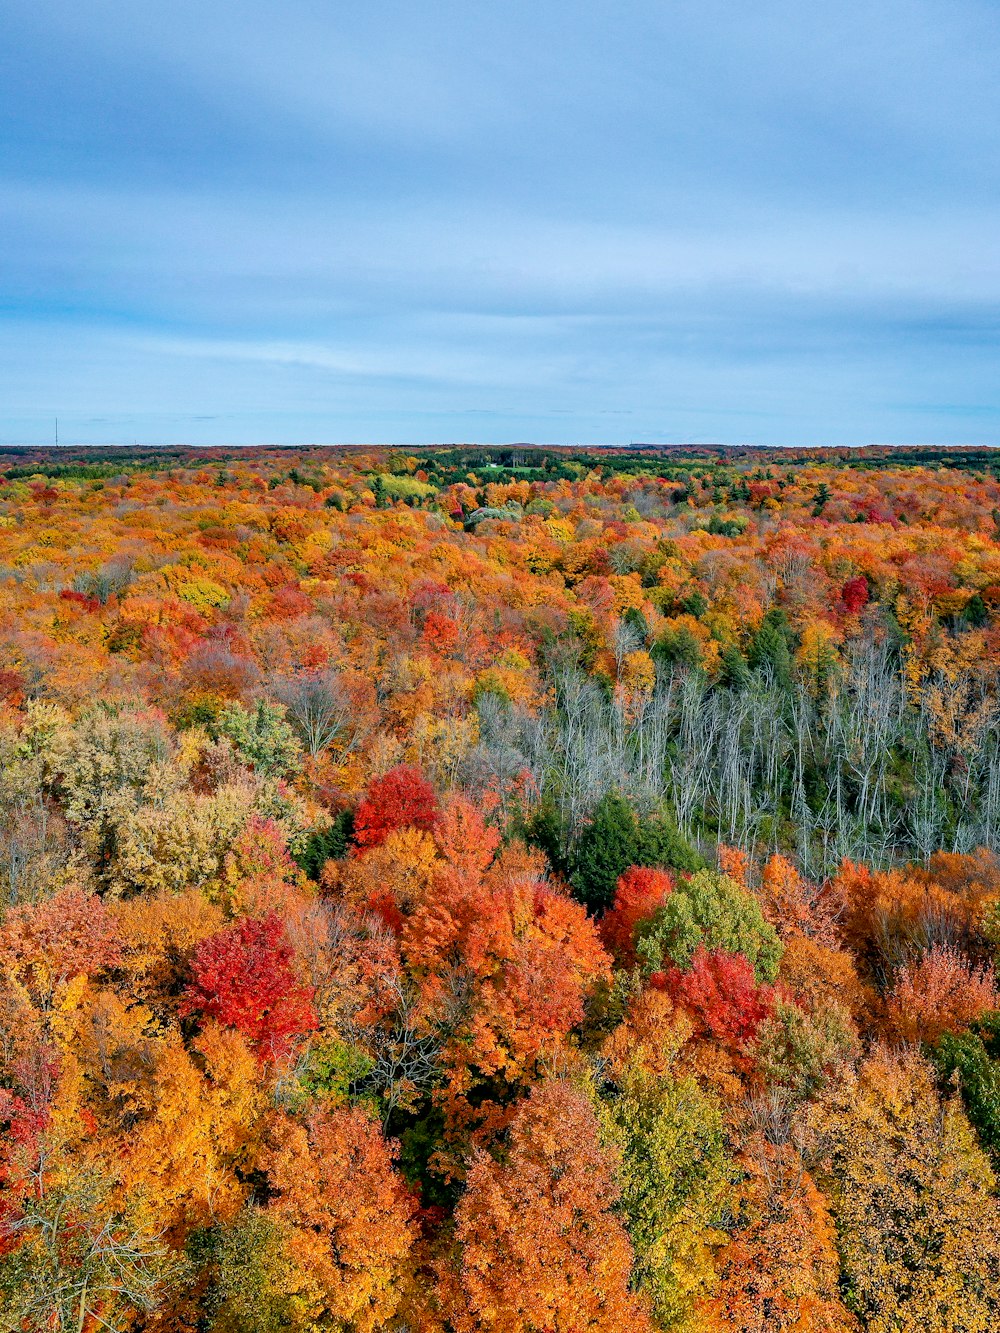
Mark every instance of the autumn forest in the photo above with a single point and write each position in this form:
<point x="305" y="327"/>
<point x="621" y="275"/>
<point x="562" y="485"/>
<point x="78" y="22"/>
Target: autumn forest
<point x="512" y="890"/>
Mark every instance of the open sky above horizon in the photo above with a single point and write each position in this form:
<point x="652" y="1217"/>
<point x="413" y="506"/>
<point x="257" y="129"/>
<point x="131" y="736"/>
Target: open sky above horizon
<point x="559" y="222"/>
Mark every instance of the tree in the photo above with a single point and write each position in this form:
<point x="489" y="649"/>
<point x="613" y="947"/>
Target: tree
<point x="347" y="1213"/>
<point x="326" y="844"/>
<point x="320" y="707"/>
<point x="779" y="1270"/>
<point x="256" y="1287"/>
<point x="972" y="1061"/>
<point x="402" y="799"/>
<point x="262" y="737"/>
<point x="638" y="894"/>
<point x="44" y="945"/>
<point x="818" y="973"/>
<point x="175" y="1127"/>
<point x="940" y="992"/>
<point x="735" y="671"/>
<point x="720" y="991"/>
<point x="495" y="965"/>
<point x="614" y="839"/>
<point x="243" y="977"/>
<point x="71" y="1261"/>
<point x="854" y="594"/>
<point x="605" y="849"/>
<point x="817" y="659"/>
<point x="770" y="648"/>
<point x="712" y="910"/>
<point x="158" y="934"/>
<point x="540" y="1247"/>
<point x="672" y="1172"/>
<point x="793" y="905"/>
<point x="804" y="1046"/>
<point x="661" y="844"/>
<point x="109" y="763"/>
<point x="889" y="916"/>
<point x="913" y="1198"/>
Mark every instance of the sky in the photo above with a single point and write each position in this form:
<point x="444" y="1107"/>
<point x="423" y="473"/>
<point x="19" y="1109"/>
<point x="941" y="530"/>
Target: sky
<point x="562" y="221"/>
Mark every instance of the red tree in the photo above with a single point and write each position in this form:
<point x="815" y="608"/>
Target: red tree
<point x="640" y="891"/>
<point x="243" y="977"/>
<point x="402" y="799"/>
<point x="721" y="993"/>
<point x="854" y="594"/>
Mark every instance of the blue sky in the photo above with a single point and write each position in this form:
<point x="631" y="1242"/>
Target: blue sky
<point x="566" y="222"/>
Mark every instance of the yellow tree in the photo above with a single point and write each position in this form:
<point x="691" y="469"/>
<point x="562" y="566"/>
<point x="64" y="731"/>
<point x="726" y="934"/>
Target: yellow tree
<point x="178" y="1128"/>
<point x="672" y="1170"/>
<point x="913" y="1198"/>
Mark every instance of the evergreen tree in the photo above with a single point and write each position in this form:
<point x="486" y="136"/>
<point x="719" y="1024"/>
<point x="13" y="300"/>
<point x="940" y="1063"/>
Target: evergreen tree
<point x="771" y="647"/>
<point x="972" y="1060"/>
<point x="606" y="847"/>
<point x="735" y="671"/>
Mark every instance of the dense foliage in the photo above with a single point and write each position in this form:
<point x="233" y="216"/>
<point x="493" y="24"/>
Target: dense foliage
<point x="522" y="890"/>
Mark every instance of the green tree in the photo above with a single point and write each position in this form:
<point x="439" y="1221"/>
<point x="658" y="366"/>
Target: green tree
<point x="713" y="910"/>
<point x="255" y="1285"/>
<point x="546" y="828"/>
<point x="661" y="843"/>
<point x="771" y="647"/>
<point x="677" y="647"/>
<point x="822" y="499"/>
<point x="976" y="612"/>
<point x="735" y="671"/>
<point x="606" y="847"/>
<point x="329" y="844"/>
<point x="972" y="1061"/>
<point x="617" y="838"/>
<point x="263" y="737"/>
<point x="674" y="1180"/>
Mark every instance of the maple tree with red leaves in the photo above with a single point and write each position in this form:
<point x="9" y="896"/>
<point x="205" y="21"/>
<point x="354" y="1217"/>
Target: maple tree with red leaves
<point x="402" y="799"/>
<point x="243" y="977"/>
<point x="854" y="594"/>
<point x="721" y="993"/>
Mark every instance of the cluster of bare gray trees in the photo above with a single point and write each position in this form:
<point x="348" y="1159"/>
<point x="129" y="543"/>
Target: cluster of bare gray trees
<point x="865" y="771"/>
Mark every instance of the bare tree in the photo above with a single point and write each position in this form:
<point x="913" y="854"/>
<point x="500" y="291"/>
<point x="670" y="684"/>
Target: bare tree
<point x="321" y="710"/>
<point x="71" y="1261"/>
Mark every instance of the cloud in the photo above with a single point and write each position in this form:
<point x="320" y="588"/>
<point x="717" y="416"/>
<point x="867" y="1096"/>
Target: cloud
<point x="695" y="212"/>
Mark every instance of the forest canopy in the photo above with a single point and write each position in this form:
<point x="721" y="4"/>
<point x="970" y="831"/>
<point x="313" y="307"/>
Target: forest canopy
<point x="506" y="889"/>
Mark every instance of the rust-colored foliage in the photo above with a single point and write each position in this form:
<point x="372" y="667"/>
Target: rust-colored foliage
<point x="45" y="945"/>
<point x="640" y="892"/>
<point x="779" y="1271"/>
<point x="939" y="992"/>
<point x="540" y="1246"/>
<point x="348" y="1213"/>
